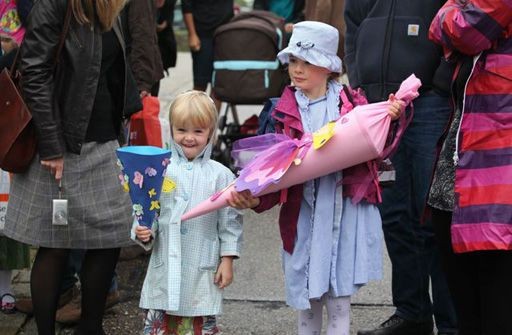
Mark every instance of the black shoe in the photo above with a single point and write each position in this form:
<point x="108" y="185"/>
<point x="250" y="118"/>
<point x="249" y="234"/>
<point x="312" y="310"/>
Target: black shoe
<point x="395" y="325"/>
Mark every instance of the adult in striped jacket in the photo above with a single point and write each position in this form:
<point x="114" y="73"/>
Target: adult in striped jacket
<point x="471" y="192"/>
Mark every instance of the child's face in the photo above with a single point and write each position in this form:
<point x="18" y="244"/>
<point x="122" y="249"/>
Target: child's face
<point x="307" y="76"/>
<point x="191" y="138"/>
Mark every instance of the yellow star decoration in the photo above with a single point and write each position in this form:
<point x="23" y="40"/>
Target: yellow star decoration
<point x="152" y="193"/>
<point x="168" y="186"/>
<point x="323" y="135"/>
<point x="154" y="205"/>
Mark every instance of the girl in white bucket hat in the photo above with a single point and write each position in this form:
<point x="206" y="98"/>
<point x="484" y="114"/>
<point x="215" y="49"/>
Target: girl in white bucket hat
<point x="331" y="232"/>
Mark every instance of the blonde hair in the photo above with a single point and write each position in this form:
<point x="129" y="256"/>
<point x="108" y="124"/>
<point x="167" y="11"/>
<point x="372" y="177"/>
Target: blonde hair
<point x="105" y="11"/>
<point x="196" y="107"/>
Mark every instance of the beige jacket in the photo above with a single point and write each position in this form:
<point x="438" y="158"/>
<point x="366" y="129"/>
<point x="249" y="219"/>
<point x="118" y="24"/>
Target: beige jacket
<point x="330" y="12"/>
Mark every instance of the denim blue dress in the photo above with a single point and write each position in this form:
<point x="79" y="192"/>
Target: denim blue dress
<point x="338" y="247"/>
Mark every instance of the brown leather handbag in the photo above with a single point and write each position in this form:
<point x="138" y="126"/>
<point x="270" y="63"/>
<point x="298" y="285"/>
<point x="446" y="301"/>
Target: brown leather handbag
<point x="18" y="141"/>
<point x="17" y="133"/>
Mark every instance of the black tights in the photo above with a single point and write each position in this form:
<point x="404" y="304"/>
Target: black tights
<point x="97" y="270"/>
<point x="479" y="282"/>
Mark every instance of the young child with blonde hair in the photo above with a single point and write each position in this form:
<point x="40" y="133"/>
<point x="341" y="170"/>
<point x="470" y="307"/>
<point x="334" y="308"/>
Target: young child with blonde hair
<point x="192" y="261"/>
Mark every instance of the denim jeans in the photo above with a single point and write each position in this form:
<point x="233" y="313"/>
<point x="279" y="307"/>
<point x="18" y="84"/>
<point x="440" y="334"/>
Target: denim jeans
<point x="411" y="245"/>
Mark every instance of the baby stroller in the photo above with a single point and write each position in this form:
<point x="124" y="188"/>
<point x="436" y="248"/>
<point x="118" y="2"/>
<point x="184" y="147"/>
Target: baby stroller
<point x="246" y="72"/>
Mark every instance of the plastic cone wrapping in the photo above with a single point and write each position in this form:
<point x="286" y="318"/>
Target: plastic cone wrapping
<point x="143" y="172"/>
<point x="354" y="138"/>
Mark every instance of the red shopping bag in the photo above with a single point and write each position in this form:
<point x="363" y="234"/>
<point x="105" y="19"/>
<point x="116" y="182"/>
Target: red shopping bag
<point x="145" y="127"/>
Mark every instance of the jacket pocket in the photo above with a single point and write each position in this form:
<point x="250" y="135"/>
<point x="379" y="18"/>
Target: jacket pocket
<point x="209" y="255"/>
<point x="157" y="257"/>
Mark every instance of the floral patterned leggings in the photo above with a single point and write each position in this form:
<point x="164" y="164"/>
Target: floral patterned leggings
<point x="159" y="323"/>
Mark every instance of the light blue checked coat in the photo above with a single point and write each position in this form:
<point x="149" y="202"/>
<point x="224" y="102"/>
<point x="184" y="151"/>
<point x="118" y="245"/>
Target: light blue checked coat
<point x="186" y="254"/>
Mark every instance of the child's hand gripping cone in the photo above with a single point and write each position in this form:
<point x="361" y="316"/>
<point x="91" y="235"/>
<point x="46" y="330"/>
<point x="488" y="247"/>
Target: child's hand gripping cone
<point x="356" y="137"/>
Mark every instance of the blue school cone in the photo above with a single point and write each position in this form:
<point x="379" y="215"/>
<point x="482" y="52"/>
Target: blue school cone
<point x="143" y="171"/>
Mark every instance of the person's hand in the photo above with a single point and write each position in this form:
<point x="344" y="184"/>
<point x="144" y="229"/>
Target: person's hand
<point x="161" y="26"/>
<point x="143" y="233"/>
<point x="288" y="27"/>
<point x="194" y="42"/>
<point x="7" y="44"/>
<point x="224" y="275"/>
<point x="144" y="94"/>
<point x="56" y="166"/>
<point x="243" y="200"/>
<point x="396" y="108"/>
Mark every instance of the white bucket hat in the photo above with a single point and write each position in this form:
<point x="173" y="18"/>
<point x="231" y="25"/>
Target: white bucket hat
<point x="314" y="42"/>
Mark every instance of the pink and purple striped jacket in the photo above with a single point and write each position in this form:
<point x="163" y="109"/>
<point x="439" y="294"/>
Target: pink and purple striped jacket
<point x="482" y="217"/>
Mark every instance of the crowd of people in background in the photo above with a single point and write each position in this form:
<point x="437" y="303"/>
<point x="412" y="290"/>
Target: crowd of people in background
<point x="445" y="219"/>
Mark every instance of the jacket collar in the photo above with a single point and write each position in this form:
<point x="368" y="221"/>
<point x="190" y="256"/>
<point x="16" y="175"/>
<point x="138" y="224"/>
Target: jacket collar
<point x="117" y="28"/>
<point x="287" y="110"/>
<point x="178" y="155"/>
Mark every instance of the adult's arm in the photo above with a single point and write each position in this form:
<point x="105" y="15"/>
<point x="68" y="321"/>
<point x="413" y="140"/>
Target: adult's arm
<point x="193" y="40"/>
<point x="38" y="52"/>
<point x="470" y="26"/>
<point x="355" y="12"/>
<point x="165" y="16"/>
<point x="142" y="26"/>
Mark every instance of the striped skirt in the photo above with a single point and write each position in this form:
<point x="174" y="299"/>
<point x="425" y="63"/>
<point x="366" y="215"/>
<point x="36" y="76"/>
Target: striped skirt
<point x="99" y="212"/>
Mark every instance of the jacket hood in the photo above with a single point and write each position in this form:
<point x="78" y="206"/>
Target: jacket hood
<point x="178" y="154"/>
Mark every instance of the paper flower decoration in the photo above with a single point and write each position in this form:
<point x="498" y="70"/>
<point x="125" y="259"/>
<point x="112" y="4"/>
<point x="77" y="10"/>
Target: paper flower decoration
<point x="143" y="170"/>
<point x="354" y="138"/>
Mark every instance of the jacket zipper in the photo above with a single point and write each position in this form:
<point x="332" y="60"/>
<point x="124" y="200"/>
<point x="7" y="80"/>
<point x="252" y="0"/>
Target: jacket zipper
<point x="387" y="47"/>
<point x="119" y="33"/>
<point x="457" y="136"/>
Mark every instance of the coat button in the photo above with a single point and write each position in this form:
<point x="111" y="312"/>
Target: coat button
<point x="189" y="166"/>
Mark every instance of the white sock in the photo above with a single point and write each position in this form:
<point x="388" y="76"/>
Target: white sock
<point x="5" y="282"/>
<point x="310" y="320"/>
<point x="338" y="316"/>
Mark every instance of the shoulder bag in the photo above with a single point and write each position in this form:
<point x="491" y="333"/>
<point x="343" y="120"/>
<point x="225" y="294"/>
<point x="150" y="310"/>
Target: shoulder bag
<point x="18" y="142"/>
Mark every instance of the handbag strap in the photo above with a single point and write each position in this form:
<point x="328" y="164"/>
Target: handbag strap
<point x="62" y="39"/>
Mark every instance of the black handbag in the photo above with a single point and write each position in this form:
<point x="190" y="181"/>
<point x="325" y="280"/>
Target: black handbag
<point x="18" y="141"/>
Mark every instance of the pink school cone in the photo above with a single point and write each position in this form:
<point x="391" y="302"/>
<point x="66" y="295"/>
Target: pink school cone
<point x="359" y="136"/>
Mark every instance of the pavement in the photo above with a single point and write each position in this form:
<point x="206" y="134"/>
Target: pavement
<point x="254" y="303"/>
